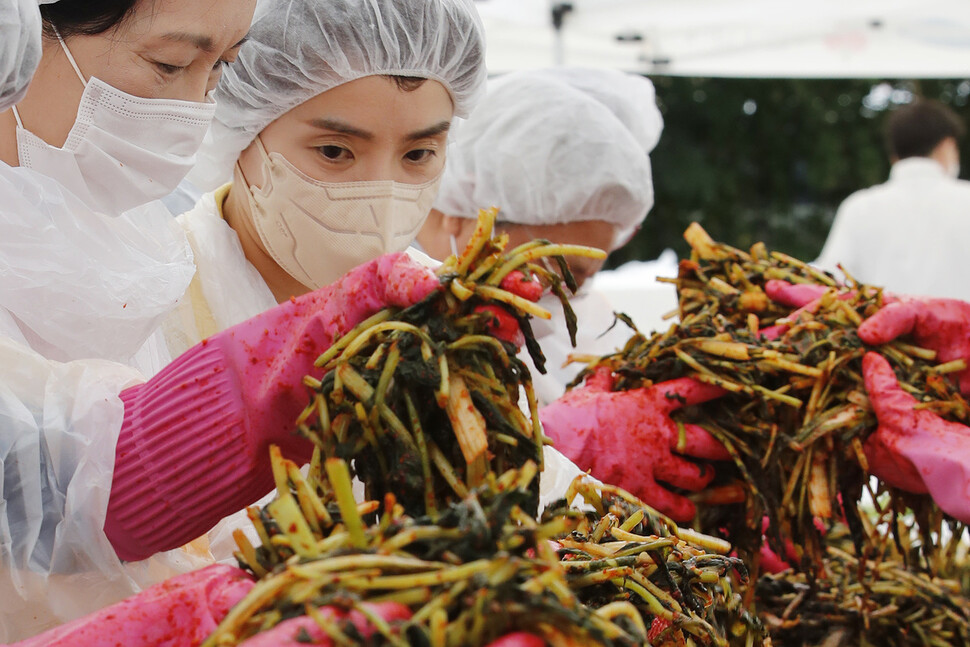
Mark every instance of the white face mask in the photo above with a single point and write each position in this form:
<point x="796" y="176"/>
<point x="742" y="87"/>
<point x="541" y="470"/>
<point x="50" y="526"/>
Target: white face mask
<point x="318" y="231"/>
<point x="123" y="150"/>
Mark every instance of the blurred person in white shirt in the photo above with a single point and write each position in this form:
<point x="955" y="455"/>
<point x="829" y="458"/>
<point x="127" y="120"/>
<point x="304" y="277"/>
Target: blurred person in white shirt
<point x="910" y="234"/>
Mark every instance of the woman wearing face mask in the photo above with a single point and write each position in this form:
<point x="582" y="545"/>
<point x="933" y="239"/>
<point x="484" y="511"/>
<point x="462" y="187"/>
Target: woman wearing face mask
<point x="99" y="467"/>
<point x="83" y="252"/>
<point x="332" y="125"/>
<point x="110" y="121"/>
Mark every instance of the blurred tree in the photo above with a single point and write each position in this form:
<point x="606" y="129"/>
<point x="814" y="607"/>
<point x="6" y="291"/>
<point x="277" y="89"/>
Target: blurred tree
<point x="770" y="159"/>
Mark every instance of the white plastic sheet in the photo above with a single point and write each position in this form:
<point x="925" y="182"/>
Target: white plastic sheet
<point x="82" y="284"/>
<point x="81" y="295"/>
<point x="596" y="335"/>
<point x="58" y="429"/>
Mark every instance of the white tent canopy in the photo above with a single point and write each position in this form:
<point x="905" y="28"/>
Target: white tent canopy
<point x="736" y="38"/>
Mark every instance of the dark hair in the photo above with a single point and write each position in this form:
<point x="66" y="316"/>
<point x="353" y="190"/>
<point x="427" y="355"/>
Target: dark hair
<point x="916" y="129"/>
<point x="406" y="83"/>
<point x="84" y="17"/>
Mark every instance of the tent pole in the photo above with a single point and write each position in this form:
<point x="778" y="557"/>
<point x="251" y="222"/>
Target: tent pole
<point x="559" y="11"/>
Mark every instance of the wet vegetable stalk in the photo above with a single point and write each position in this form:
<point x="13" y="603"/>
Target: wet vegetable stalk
<point x="796" y="412"/>
<point x="424" y="401"/>
<point x="618" y="555"/>
<point x="877" y="601"/>
<point x="483" y="568"/>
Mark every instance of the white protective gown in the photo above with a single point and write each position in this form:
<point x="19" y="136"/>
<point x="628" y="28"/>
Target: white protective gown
<point x="81" y="295"/>
<point x="596" y="335"/>
<point x="631" y="289"/>
<point x="909" y="235"/>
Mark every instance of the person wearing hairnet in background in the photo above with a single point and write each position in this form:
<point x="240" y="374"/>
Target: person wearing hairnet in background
<point x="564" y="154"/>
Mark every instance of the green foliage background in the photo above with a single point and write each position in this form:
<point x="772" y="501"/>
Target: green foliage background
<point x="770" y="159"/>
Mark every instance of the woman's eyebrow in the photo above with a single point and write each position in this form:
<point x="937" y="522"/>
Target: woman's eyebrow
<point x="201" y="41"/>
<point x="431" y="131"/>
<point x="327" y="123"/>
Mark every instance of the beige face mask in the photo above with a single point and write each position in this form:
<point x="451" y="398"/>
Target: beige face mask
<point x="318" y="231"/>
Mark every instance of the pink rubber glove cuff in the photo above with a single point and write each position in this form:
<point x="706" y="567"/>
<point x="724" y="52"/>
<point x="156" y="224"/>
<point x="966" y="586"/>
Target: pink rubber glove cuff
<point x="186" y="456"/>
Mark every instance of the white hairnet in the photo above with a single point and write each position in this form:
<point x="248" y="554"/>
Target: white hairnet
<point x="555" y="146"/>
<point x="629" y="97"/>
<point x="298" y="49"/>
<point x="19" y="48"/>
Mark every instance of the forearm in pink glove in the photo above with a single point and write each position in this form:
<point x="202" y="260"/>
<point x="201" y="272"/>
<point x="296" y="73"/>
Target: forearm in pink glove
<point x="296" y="631"/>
<point x="916" y="450"/>
<point x="627" y="438"/>
<point x="194" y="442"/>
<point x="180" y="612"/>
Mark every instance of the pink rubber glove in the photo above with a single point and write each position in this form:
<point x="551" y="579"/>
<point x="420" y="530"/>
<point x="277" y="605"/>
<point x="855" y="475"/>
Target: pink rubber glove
<point x="180" y="612"/>
<point x="796" y="295"/>
<point x="802" y="296"/>
<point x="194" y="443"/>
<point x="628" y="438"/>
<point x="772" y="562"/>
<point x="503" y="325"/>
<point x="916" y="450"/>
<point x="942" y="325"/>
<point x="289" y="632"/>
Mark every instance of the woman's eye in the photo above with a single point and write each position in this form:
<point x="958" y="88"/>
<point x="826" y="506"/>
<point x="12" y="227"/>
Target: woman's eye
<point x="169" y="69"/>
<point x="335" y="153"/>
<point x="419" y="155"/>
<point x="228" y="59"/>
